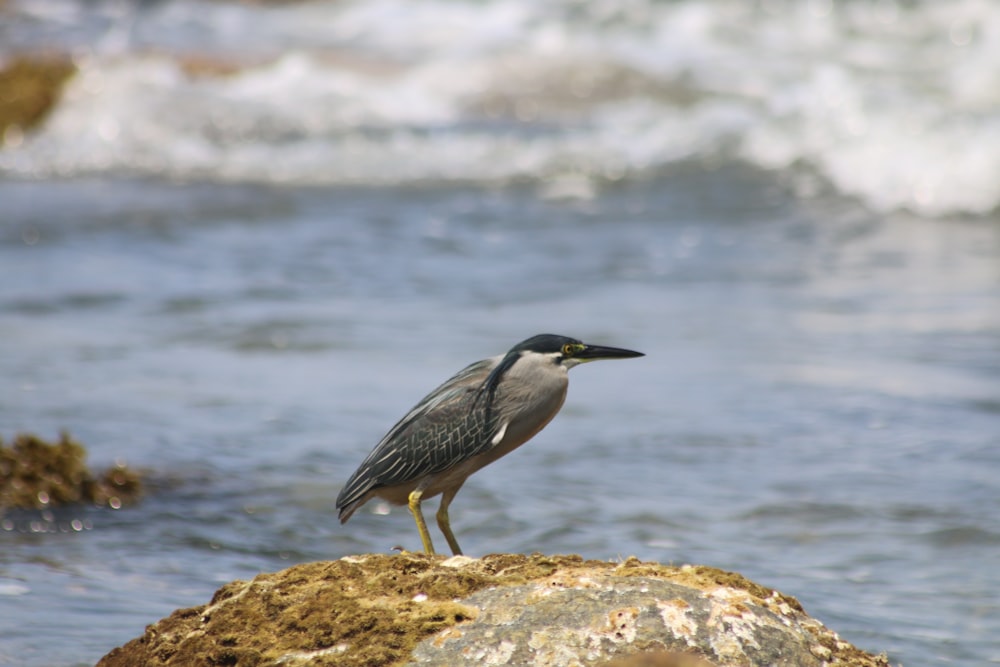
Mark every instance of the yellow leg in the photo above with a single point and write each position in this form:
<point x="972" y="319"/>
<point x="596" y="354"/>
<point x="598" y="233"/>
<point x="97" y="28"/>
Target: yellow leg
<point x="444" y="523"/>
<point x="418" y="516"/>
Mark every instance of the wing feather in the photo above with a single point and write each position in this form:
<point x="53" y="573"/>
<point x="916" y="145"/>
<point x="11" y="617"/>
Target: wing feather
<point x="448" y="426"/>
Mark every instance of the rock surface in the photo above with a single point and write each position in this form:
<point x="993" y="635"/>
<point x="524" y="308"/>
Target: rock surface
<point x="38" y="474"/>
<point x="29" y="88"/>
<point x="502" y="609"/>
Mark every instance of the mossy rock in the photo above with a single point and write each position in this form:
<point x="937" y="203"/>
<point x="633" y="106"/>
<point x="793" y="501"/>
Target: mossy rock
<point x="29" y="88"/>
<point x="502" y="609"/>
<point x="35" y="473"/>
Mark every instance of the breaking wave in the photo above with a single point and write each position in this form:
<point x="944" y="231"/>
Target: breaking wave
<point x="893" y="103"/>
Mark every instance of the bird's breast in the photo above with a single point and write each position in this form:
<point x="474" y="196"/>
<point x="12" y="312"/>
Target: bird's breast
<point x="519" y="417"/>
<point x="526" y="407"/>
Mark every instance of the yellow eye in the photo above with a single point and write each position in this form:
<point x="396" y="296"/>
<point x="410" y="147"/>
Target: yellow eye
<point x="568" y="349"/>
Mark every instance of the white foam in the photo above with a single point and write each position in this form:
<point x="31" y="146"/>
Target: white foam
<point x="896" y="105"/>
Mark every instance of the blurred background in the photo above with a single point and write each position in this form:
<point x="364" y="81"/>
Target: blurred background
<point x="246" y="238"/>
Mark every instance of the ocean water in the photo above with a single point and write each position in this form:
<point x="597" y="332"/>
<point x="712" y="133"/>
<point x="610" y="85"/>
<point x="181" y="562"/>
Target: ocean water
<point x="250" y="238"/>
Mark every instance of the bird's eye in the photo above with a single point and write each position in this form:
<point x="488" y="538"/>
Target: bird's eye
<point x="568" y="350"/>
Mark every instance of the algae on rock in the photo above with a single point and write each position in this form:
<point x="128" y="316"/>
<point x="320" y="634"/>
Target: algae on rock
<point x="416" y="609"/>
<point x="29" y="88"/>
<point x="39" y="474"/>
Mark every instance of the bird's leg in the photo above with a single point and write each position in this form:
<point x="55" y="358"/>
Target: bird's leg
<point x="418" y="516"/>
<point x="444" y="523"/>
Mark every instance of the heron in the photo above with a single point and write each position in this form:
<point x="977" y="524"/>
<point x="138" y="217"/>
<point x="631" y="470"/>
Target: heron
<point x="485" y="411"/>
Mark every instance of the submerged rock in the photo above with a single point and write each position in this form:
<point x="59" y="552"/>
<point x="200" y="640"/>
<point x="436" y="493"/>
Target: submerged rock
<point x="502" y="609"/>
<point x="39" y="474"/>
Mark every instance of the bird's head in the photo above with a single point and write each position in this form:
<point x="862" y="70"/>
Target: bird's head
<point x="544" y="349"/>
<point x="568" y="352"/>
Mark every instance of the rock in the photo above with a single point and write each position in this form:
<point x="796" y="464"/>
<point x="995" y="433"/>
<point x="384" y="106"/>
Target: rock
<point x="39" y="474"/>
<point x="502" y="609"/>
<point x="29" y="87"/>
<point x="659" y="659"/>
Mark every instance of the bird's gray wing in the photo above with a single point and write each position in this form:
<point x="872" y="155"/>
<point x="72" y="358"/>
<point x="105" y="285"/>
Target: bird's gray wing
<point x="448" y="426"/>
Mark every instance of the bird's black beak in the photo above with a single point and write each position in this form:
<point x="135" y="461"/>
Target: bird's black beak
<point x="595" y="352"/>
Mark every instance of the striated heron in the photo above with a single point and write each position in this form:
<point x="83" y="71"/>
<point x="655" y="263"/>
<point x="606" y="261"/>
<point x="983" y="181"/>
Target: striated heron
<point x="485" y="411"/>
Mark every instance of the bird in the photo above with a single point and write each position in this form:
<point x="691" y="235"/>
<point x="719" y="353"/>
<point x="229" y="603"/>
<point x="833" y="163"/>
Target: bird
<point x="485" y="411"/>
